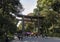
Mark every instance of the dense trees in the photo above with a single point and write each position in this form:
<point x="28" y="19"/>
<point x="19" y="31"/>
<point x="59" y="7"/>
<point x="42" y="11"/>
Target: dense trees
<point x="49" y="9"/>
<point x="9" y="9"/>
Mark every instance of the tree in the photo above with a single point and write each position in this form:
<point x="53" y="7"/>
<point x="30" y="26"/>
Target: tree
<point x="49" y="9"/>
<point x="29" y="27"/>
<point x="9" y="9"/>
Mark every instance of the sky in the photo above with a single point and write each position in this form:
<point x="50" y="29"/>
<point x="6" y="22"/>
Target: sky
<point x="28" y="6"/>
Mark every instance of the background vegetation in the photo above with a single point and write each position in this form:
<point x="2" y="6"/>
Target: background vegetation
<point x="50" y="10"/>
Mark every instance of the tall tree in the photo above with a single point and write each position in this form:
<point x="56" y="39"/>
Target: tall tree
<point x="49" y="9"/>
<point x="9" y="9"/>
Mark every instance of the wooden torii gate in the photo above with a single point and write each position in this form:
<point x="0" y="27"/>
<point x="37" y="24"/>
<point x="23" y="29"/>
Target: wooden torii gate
<point x="30" y="19"/>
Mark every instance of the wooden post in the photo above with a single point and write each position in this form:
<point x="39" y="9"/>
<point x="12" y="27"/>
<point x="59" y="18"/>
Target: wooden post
<point x="38" y="26"/>
<point x="23" y="26"/>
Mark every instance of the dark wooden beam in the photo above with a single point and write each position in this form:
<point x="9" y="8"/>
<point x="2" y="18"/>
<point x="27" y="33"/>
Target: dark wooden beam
<point x="28" y="20"/>
<point x="33" y="17"/>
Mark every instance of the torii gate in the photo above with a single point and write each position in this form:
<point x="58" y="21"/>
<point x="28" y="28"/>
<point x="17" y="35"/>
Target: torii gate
<point x="38" y="18"/>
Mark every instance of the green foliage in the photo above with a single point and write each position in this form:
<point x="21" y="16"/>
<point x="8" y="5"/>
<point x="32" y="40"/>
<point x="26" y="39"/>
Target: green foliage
<point x="29" y="27"/>
<point x="50" y="10"/>
<point x="19" y="27"/>
<point x="7" y="20"/>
